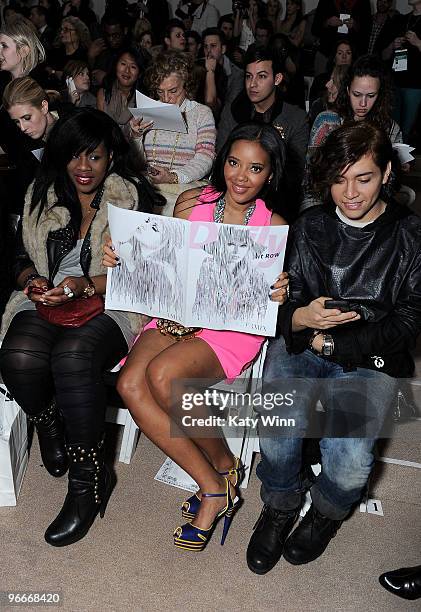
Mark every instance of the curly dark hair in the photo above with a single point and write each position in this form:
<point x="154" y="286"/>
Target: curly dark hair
<point x="344" y="147"/>
<point x="167" y="63"/>
<point x="381" y="113"/>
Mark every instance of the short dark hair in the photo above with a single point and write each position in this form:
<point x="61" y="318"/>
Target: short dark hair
<point x="264" y="24"/>
<point x="41" y="10"/>
<point x="344" y="147"/>
<point x="84" y="130"/>
<point x="195" y="35"/>
<point x="173" y="23"/>
<point x="271" y="141"/>
<point x="262" y="54"/>
<point x="74" y="67"/>
<point x="214" y="32"/>
<point x="225" y="19"/>
<point x="114" y="18"/>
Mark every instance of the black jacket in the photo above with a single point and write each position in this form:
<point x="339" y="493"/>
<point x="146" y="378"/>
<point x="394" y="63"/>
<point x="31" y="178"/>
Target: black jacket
<point x="377" y="267"/>
<point x="293" y="124"/>
<point x="360" y="11"/>
<point x="18" y="147"/>
<point x="59" y="243"/>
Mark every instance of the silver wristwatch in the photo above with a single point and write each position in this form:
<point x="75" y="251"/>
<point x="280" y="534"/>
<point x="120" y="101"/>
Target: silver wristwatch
<point x="328" y="345"/>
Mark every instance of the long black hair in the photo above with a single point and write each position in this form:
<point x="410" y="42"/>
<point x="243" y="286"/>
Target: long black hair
<point x="111" y="76"/>
<point x="271" y="140"/>
<point x="84" y="130"/>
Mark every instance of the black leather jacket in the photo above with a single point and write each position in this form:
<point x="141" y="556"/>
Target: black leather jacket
<point x="377" y="267"/>
<point x="59" y="243"/>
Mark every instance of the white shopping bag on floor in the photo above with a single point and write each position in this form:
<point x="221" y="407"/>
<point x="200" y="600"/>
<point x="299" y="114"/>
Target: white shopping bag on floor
<point x="13" y="448"/>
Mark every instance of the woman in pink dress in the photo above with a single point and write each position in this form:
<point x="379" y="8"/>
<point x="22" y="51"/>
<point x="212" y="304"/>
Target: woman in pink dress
<point x="247" y="169"/>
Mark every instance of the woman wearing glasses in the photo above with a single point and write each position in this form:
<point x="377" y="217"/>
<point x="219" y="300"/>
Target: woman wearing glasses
<point x="73" y="42"/>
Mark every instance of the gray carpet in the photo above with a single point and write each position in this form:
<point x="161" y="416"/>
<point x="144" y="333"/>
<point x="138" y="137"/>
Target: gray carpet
<point x="127" y="562"/>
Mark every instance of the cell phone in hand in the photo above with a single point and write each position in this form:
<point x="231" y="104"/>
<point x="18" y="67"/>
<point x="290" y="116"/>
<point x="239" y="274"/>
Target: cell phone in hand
<point x="341" y="305"/>
<point x="70" y="85"/>
<point x="36" y="290"/>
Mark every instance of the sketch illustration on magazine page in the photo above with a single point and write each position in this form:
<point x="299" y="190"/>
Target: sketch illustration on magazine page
<point x="199" y="274"/>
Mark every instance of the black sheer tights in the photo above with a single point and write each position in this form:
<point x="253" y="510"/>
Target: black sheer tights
<point x="39" y="360"/>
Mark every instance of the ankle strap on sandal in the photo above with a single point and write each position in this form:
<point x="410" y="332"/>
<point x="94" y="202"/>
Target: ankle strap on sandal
<point x="238" y="470"/>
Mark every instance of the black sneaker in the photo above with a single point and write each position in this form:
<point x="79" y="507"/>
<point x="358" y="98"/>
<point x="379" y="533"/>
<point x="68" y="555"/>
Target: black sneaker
<point x="310" y="539"/>
<point x="267" y="542"/>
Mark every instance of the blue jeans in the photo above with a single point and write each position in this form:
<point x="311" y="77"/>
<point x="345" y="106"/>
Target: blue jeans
<point x="407" y="104"/>
<point x="350" y="399"/>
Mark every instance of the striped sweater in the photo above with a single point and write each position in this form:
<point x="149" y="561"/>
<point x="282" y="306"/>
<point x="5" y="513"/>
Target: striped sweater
<point x="191" y="154"/>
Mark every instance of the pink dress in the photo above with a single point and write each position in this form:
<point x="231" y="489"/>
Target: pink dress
<point x="235" y="350"/>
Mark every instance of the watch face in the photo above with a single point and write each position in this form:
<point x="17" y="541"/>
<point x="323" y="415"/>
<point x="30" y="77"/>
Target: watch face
<point x="327" y="345"/>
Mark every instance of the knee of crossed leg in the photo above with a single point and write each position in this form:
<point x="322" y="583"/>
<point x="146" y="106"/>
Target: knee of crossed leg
<point x="159" y="378"/>
<point x="132" y="387"/>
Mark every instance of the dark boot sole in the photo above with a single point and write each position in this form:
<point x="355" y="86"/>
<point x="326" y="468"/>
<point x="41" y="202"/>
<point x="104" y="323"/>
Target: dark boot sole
<point x="260" y="572"/>
<point x="294" y="561"/>
<point x="75" y="539"/>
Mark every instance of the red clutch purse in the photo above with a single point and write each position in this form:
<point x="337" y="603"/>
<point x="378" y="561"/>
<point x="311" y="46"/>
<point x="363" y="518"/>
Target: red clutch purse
<point x="73" y="313"/>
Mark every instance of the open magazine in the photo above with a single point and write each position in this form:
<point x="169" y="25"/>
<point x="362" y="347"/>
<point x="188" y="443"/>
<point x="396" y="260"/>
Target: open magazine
<point x="164" y="116"/>
<point x="199" y="274"/>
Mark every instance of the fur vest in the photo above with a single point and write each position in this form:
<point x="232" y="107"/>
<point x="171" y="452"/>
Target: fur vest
<point x="117" y="191"/>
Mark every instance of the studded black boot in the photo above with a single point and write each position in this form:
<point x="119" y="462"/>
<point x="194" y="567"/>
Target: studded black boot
<point x="52" y="443"/>
<point x="90" y="486"/>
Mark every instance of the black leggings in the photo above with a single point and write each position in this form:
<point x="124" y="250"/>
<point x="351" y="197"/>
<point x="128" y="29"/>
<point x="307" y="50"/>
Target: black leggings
<point x="39" y="360"/>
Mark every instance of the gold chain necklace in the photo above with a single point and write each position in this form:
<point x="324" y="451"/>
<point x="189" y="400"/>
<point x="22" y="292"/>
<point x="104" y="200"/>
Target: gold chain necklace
<point x="177" y="138"/>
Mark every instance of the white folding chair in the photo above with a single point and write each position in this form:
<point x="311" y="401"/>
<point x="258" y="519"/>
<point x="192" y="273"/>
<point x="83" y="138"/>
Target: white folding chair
<point x="121" y="416"/>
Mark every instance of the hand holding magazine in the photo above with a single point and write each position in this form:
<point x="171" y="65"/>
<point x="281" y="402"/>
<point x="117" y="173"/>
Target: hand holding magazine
<point x="199" y="274"/>
<point x="164" y="116"/>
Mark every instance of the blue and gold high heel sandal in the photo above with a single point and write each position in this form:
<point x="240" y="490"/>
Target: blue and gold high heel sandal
<point x="191" y="506"/>
<point x="190" y="537"/>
